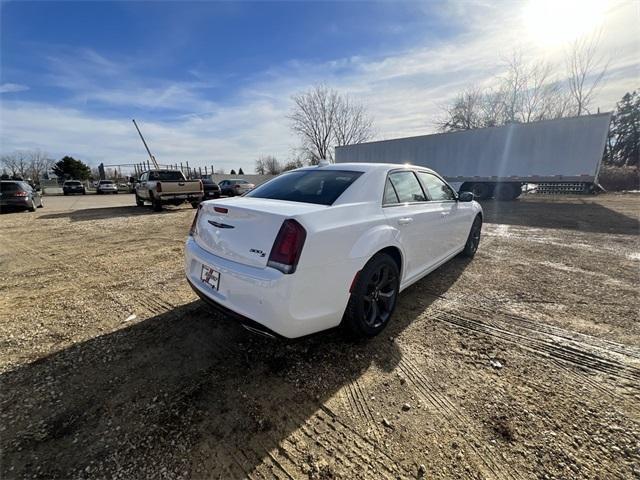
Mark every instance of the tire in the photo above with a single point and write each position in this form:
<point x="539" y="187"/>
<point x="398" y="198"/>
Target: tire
<point x="195" y="204"/>
<point x="41" y="204"/>
<point x="473" y="240"/>
<point x="33" y="207"/>
<point x="139" y="201"/>
<point x="65" y="193"/>
<point x="84" y="192"/>
<point x="157" y="205"/>
<point x="373" y="298"/>
<point x="115" y="193"/>
<point x="98" y="192"/>
<point x="507" y="191"/>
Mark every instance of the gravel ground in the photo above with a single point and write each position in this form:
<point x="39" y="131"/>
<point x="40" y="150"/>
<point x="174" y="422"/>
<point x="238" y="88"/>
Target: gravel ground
<point x="523" y="363"/>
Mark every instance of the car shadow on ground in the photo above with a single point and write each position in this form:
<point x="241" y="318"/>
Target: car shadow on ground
<point x="586" y="216"/>
<point x="187" y="384"/>
<point x="87" y="214"/>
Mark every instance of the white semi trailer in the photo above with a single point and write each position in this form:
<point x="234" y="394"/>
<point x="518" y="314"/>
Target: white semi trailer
<point x="496" y="162"/>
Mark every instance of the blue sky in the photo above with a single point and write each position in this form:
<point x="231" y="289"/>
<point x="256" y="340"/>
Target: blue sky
<point x="211" y="82"/>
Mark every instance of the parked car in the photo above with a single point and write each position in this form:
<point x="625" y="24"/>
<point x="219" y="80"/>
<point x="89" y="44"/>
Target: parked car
<point x="167" y="187"/>
<point x="106" y="186"/>
<point x="235" y="186"/>
<point x="211" y="188"/>
<point x="19" y="195"/>
<point x="320" y="246"/>
<point x="73" y="186"/>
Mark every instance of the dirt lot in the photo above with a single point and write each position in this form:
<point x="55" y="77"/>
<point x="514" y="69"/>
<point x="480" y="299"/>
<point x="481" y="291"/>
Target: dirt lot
<point x="523" y="363"/>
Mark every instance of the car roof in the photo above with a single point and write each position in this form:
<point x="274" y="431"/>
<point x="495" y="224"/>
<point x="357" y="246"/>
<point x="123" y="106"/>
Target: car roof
<point x="366" y="167"/>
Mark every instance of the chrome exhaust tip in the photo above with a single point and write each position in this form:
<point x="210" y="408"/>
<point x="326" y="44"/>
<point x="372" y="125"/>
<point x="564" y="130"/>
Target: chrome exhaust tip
<point x="257" y="331"/>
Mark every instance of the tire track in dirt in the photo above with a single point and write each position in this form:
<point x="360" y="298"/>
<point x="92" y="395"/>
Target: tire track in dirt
<point x="544" y="345"/>
<point x="484" y="458"/>
<point x="358" y="406"/>
<point x="338" y="440"/>
<point x="581" y="339"/>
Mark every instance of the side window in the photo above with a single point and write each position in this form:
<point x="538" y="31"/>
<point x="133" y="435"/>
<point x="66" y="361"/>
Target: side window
<point x="438" y="190"/>
<point x="390" y="196"/>
<point x="407" y="187"/>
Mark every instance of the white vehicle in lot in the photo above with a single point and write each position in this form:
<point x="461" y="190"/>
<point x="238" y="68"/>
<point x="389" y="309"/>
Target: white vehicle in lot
<point x="106" y="186"/>
<point x="320" y="246"/>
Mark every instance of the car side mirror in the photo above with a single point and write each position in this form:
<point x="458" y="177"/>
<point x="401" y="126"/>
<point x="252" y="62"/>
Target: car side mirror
<point x="465" y="197"/>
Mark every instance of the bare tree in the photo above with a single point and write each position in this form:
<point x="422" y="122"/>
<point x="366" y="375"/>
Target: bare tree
<point x="269" y="165"/>
<point x="292" y="165"/>
<point x="16" y="164"/>
<point x="313" y="118"/>
<point x="585" y="72"/>
<point x="323" y="118"/>
<point x="32" y="164"/>
<point x="464" y="113"/>
<point x="352" y="123"/>
<point x="260" y="168"/>
<point x="528" y="92"/>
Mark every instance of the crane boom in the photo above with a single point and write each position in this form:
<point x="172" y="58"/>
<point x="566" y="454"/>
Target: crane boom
<point x="153" y="159"/>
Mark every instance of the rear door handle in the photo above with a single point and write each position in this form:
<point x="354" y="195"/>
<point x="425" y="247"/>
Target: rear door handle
<point x="405" y="220"/>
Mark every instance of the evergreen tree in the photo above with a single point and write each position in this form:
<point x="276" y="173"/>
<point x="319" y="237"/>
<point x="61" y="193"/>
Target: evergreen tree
<point x="623" y="142"/>
<point x="69" y="167"/>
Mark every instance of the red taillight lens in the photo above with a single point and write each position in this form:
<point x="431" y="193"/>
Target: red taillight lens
<point x="287" y="247"/>
<point x="21" y="194"/>
<point x="236" y="186"/>
<point x="158" y="187"/>
<point x="194" y="224"/>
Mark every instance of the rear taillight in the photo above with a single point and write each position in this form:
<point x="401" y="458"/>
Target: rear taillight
<point x="158" y="187"/>
<point x="21" y="194"/>
<point x="236" y="187"/>
<point x="194" y="224"/>
<point x="287" y="247"/>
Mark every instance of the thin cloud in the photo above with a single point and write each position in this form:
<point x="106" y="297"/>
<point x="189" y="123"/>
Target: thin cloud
<point x="12" y="88"/>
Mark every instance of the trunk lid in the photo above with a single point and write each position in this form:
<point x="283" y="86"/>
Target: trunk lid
<point x="248" y="229"/>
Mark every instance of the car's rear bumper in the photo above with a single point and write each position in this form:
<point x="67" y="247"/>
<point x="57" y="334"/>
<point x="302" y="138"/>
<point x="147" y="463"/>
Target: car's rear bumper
<point x="289" y="305"/>
<point x="22" y="202"/>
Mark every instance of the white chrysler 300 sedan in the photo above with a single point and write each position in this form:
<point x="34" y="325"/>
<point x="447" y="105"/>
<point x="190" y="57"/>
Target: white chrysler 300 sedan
<point x="320" y="246"/>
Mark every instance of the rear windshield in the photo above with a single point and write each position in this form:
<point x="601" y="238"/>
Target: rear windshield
<point x="105" y="182"/>
<point x="72" y="183"/>
<point x="9" y="187"/>
<point x="322" y="187"/>
<point x="166" y="176"/>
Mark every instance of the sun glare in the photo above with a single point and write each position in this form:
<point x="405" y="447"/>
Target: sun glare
<point x="555" y="22"/>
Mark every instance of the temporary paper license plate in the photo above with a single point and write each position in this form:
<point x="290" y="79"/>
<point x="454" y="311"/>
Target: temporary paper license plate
<point x="210" y="276"/>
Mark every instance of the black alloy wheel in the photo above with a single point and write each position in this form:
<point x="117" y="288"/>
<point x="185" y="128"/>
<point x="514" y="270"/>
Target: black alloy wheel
<point x="374" y="297"/>
<point x="473" y="240"/>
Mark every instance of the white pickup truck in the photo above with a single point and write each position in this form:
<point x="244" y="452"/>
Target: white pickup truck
<point x="167" y="187"/>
